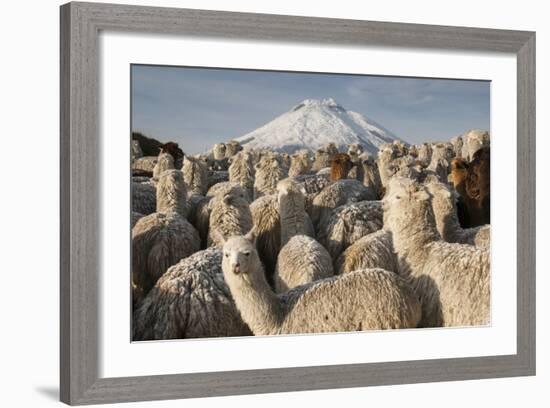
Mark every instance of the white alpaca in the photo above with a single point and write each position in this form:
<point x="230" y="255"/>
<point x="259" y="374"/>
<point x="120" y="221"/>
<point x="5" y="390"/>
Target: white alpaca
<point x="473" y="140"/>
<point x="218" y="151"/>
<point x="165" y="162"/>
<point x="195" y="174"/>
<point x="229" y="215"/>
<point x="200" y="214"/>
<point x="446" y="218"/>
<point x="458" y="143"/>
<point x="301" y="259"/>
<point x="161" y="239"/>
<point x="267" y="224"/>
<point x="268" y="173"/>
<point x="190" y="300"/>
<point x="242" y="171"/>
<point x="425" y="154"/>
<point x="453" y="280"/>
<point x="300" y="163"/>
<point x="363" y="300"/>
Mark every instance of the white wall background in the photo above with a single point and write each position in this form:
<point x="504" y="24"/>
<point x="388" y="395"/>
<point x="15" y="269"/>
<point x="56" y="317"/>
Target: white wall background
<point x="29" y="202"/>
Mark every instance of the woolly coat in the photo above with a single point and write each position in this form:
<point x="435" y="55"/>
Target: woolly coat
<point x="267" y="227"/>
<point x="340" y="166"/>
<point x="268" y="173"/>
<point x="161" y="239"/>
<point x="300" y="163"/>
<point x="146" y="163"/>
<point x="348" y="223"/>
<point x="190" y="300"/>
<point x="452" y="280"/>
<point x="242" y="171"/>
<point x="363" y="300"/>
<point x="195" y="174"/>
<point x="312" y="185"/>
<point x="165" y="162"/>
<point x="372" y="251"/>
<point x="301" y="259"/>
<point x="229" y="215"/>
<point x="371" y="176"/>
<point x="337" y="194"/>
<point x="218" y="151"/>
<point x="144" y="198"/>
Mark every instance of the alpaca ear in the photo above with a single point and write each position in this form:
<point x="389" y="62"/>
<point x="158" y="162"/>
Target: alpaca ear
<point x="251" y="236"/>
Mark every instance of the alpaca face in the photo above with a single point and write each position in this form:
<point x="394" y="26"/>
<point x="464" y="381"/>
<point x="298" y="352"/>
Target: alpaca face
<point x="406" y="205"/>
<point x="240" y="259"/>
<point x="442" y="195"/>
<point x="288" y="185"/>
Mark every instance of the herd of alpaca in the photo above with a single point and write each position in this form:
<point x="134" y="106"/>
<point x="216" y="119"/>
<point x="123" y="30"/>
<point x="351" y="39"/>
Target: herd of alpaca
<point x="240" y="242"/>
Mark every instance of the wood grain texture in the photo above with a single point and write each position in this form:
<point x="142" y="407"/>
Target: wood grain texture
<point x="79" y="195"/>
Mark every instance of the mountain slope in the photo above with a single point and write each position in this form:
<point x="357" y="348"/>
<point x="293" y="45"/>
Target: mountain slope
<point x="314" y="123"/>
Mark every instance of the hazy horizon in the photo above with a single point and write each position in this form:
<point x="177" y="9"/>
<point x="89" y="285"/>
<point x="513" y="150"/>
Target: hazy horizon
<point x="198" y="107"/>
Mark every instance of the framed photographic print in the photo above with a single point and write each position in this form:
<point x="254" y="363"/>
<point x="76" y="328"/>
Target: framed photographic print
<point x="259" y="203"/>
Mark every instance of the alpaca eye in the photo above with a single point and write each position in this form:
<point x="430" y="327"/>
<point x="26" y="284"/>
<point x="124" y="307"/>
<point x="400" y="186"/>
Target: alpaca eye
<point x="226" y="255"/>
<point x="247" y="254"/>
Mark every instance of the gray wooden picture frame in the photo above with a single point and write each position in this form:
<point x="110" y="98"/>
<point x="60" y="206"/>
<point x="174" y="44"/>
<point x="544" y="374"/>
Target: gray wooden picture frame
<point x="80" y="234"/>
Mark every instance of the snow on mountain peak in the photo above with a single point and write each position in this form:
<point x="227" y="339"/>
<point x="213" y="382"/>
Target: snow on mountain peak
<point x="313" y="123"/>
<point x="330" y="102"/>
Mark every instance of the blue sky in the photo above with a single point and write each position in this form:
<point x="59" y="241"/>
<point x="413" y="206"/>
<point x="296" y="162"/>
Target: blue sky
<point x="198" y="107"/>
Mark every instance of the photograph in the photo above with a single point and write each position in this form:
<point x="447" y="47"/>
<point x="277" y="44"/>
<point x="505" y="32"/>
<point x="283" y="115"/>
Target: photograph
<point x="282" y="203"/>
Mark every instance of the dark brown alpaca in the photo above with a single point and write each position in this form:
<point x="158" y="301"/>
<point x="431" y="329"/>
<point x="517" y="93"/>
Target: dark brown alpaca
<point x="478" y="186"/>
<point x="472" y="182"/>
<point x="340" y="166"/>
<point x="175" y="151"/>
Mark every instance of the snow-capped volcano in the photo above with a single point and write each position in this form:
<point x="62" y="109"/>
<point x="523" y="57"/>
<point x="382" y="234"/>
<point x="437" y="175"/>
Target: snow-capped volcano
<point x="314" y="123"/>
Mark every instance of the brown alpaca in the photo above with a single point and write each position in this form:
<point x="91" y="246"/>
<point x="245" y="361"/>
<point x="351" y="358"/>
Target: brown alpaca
<point x="478" y="185"/>
<point x="472" y="182"/>
<point x="340" y="166"/>
<point x="175" y="151"/>
<point x="459" y="174"/>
